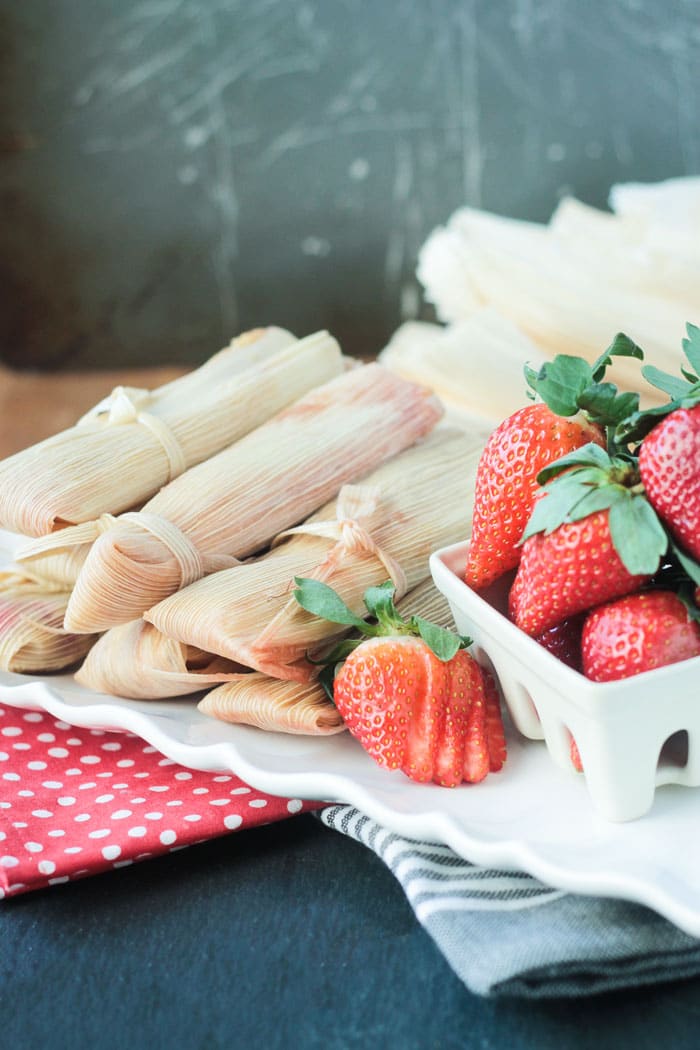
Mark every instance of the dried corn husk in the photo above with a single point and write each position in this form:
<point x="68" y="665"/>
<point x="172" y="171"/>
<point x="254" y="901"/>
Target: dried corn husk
<point x="268" y="703"/>
<point x="155" y="436"/>
<point x="137" y="661"/>
<point x="668" y="213"/>
<point x="32" y="638"/>
<point x="384" y="527"/>
<point x="671" y="203"/>
<point x="625" y="250"/>
<point x="234" y="503"/>
<point x="563" y="304"/>
<point x="474" y="366"/>
<point x="303" y="707"/>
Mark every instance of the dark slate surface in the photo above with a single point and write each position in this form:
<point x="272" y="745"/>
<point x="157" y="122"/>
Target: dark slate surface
<point x="174" y="170"/>
<point x="288" y="937"/>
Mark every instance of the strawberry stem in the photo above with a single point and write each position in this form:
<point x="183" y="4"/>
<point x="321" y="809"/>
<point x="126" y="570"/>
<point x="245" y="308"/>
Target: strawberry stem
<point x="322" y="601"/>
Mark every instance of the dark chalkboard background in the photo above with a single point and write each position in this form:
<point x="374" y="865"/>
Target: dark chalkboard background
<point x="172" y="171"/>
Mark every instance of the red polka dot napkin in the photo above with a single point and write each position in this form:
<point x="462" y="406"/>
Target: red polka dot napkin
<point x="75" y="802"/>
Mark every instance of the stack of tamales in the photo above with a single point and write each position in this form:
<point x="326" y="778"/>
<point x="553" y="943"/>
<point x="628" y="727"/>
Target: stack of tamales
<point x="277" y="451"/>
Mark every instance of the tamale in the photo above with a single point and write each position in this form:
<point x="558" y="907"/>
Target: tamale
<point x="32" y="637"/>
<point x="452" y="362"/>
<point x="562" y="304"/>
<point x="233" y="504"/>
<point x="287" y="707"/>
<point x="155" y="436"/>
<point x="384" y="527"/>
<point x="137" y="661"/>
<point x="303" y="707"/>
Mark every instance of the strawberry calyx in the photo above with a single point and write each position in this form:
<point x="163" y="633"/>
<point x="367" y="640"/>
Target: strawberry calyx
<point x="591" y="480"/>
<point x="683" y="391"/>
<point x="569" y="385"/>
<point x="383" y="620"/>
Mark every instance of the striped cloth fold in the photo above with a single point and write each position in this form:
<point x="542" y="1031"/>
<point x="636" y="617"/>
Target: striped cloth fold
<point x="505" y="933"/>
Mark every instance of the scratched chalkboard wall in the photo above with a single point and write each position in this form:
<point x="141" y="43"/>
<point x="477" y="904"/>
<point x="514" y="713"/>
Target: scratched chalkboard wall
<point x="172" y="171"/>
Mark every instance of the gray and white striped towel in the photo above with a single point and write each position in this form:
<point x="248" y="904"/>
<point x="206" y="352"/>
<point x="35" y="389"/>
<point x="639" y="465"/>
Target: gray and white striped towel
<point x="505" y="933"/>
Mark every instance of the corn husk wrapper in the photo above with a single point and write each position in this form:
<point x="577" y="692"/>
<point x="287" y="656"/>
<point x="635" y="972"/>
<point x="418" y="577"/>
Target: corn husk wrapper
<point x="565" y="305"/>
<point x="275" y="380"/>
<point x="155" y="436"/>
<point x="627" y="250"/>
<point x="137" y="661"/>
<point x="32" y="638"/>
<point x="474" y="366"/>
<point x="303" y="707"/>
<point x="385" y="527"/>
<point x="233" y="504"/>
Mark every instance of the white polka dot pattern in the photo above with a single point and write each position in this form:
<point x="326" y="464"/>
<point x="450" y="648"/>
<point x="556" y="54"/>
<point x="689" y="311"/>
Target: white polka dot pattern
<point x="72" y="805"/>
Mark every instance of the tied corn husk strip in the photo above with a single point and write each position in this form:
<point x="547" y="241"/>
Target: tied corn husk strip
<point x="385" y="527"/>
<point x="303" y="707"/>
<point x="58" y="558"/>
<point x="564" y="303"/>
<point x="155" y="436"/>
<point x="474" y="366"/>
<point x="135" y="660"/>
<point x="32" y="638"/>
<point x="233" y="504"/>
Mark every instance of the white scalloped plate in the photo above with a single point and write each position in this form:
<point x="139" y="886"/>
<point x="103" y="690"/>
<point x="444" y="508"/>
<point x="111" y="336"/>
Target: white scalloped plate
<point x="532" y="816"/>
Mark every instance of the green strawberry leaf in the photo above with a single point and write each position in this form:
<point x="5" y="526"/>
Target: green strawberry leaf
<point x="553" y="508"/>
<point x="321" y="600"/>
<point x="531" y="377"/>
<point x="380" y="604"/>
<point x="637" y="534"/>
<point x="688" y="564"/>
<point x="621" y="346"/>
<point x="602" y="497"/>
<point x="691" y="347"/>
<point x="590" y="455"/>
<point x="326" y="679"/>
<point x="673" y="386"/>
<point x="559" y="383"/>
<point x="604" y="405"/>
<point x="443" y="643"/>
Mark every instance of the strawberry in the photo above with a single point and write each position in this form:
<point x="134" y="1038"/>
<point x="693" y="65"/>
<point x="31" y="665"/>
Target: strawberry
<point x="506" y="484"/>
<point x="409" y="691"/>
<point x="567" y="572"/>
<point x="669" y="463"/>
<point x="637" y="633"/>
<point x="495" y="735"/>
<point x="592" y="537"/>
<point x="575" y="756"/>
<point x="564" y="641"/>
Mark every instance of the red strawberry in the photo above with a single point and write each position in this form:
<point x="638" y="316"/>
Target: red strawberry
<point x="564" y="641"/>
<point x="636" y="634"/>
<point x="575" y="756"/>
<point x="495" y="734"/>
<point x="669" y="462"/>
<point x="413" y="712"/>
<point x="412" y="696"/>
<point x="506" y="484"/>
<point x="567" y="572"/>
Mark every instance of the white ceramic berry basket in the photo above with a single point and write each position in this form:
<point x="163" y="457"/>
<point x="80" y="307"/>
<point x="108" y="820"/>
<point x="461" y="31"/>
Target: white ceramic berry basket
<point x="633" y="735"/>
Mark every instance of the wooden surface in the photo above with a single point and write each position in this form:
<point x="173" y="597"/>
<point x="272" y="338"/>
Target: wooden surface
<point x="35" y="405"/>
